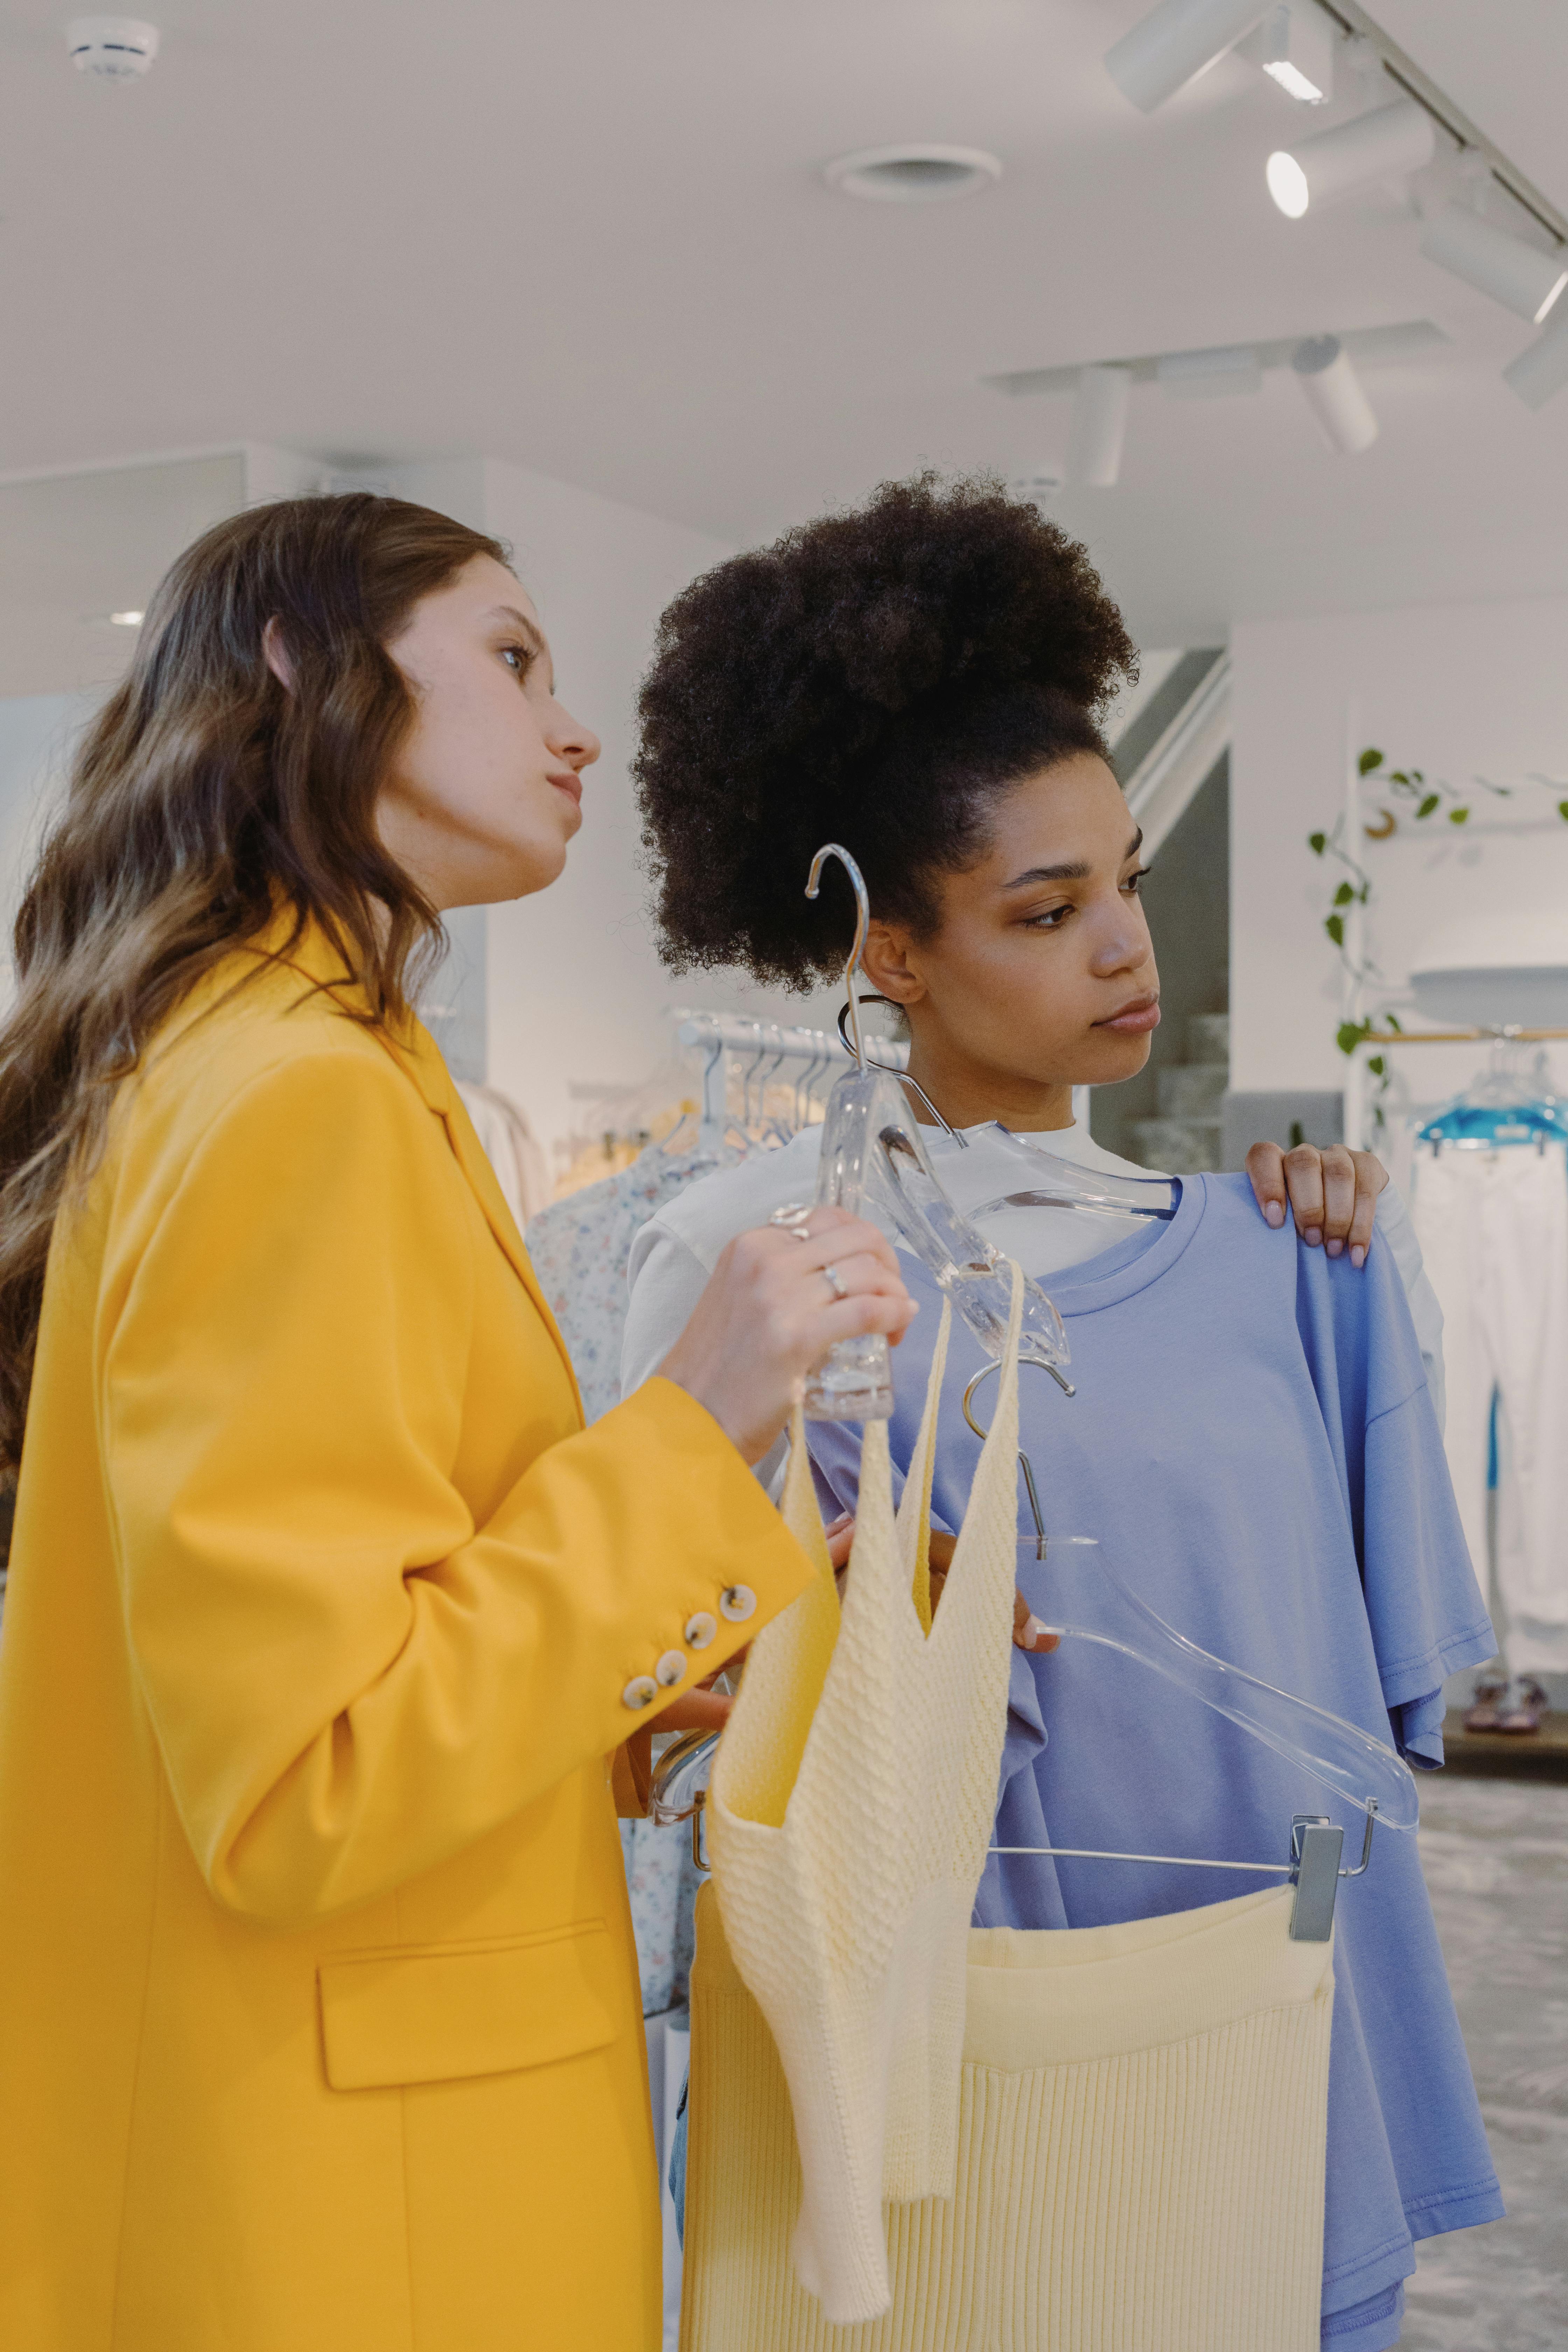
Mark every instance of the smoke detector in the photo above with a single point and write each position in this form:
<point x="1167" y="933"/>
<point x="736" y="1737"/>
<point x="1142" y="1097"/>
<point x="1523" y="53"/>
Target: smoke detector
<point x="114" y="48"/>
<point x="912" y="175"/>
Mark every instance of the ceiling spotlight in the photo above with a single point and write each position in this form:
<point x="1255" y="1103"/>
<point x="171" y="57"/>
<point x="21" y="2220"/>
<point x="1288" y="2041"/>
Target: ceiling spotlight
<point x="912" y="175"/>
<point x="1541" y="368"/>
<point x="1517" y="274"/>
<point x="1295" y="46"/>
<point x="114" y="48"/>
<point x="127" y="620"/>
<point x="1333" y="393"/>
<point x="1383" y="145"/>
<point x="1181" y="40"/>
<point x="1098" y="427"/>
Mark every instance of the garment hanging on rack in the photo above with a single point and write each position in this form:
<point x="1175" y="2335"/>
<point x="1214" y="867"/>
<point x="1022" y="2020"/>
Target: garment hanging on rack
<point x="1141" y="2152"/>
<point x="1271" y="1444"/>
<point x="580" y="1245"/>
<point x="1493" y="1226"/>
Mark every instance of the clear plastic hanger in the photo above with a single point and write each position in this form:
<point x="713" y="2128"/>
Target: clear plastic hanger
<point x="1072" y="1588"/>
<point x="873" y="1158"/>
<point x="1047" y="1181"/>
<point x="1082" y="1599"/>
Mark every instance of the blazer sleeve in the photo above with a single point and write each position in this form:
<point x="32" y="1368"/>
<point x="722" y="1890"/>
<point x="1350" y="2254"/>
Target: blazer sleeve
<point x="352" y="1675"/>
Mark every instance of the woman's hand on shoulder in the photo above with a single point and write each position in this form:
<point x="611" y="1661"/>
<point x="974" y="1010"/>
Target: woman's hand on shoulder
<point x="1332" y="1194"/>
<point x="778" y="1301"/>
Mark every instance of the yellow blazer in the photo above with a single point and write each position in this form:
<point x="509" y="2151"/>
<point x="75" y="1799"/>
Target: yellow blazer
<point x="319" y="2029"/>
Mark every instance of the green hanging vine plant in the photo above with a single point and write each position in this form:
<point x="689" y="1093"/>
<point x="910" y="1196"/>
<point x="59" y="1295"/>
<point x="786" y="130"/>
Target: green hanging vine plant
<point x="1420" y="800"/>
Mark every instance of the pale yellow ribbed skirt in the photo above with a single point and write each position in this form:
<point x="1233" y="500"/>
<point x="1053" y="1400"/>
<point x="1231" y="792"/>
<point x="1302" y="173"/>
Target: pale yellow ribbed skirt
<point x="1141" y="2156"/>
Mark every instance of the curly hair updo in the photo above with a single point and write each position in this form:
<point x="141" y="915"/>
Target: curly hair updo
<point x="872" y="679"/>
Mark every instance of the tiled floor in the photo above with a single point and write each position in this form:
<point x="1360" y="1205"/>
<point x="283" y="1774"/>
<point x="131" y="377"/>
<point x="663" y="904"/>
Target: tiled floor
<point x="1496" y="1857"/>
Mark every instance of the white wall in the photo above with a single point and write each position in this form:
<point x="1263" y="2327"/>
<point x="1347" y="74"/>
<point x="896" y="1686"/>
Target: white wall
<point x="1458" y="690"/>
<point x="37" y="733"/>
<point x="575" y="987"/>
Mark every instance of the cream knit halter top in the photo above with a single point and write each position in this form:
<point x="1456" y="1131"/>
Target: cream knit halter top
<point x="850" y="1814"/>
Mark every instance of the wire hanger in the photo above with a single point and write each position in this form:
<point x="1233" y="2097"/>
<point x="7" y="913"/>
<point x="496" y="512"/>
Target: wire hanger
<point x="1086" y="1600"/>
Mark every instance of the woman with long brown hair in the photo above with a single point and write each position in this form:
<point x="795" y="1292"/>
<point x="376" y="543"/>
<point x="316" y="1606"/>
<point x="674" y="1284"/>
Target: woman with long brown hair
<point x="329" y="1627"/>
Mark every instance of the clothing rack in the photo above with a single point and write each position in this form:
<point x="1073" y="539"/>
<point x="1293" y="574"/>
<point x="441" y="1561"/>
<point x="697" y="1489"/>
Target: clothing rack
<point x="761" y="1048"/>
<point x="1507" y="1036"/>
<point x="736" y="1035"/>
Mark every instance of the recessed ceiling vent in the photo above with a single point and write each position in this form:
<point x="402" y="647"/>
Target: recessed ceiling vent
<point x="912" y="175"/>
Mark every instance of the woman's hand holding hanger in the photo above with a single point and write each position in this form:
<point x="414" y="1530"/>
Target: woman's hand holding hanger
<point x="778" y="1300"/>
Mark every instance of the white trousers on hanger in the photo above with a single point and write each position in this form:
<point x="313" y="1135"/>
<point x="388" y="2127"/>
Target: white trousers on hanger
<point x="1493" y="1228"/>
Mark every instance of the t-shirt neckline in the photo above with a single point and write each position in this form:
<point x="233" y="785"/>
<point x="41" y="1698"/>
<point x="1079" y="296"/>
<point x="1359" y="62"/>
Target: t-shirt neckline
<point x="1130" y="1265"/>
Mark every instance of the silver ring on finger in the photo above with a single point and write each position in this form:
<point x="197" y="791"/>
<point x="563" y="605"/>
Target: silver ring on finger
<point x="835" y="1281"/>
<point x="792" y="1218"/>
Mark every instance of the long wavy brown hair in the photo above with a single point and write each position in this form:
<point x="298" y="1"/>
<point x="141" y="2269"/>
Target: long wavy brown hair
<point x="204" y="797"/>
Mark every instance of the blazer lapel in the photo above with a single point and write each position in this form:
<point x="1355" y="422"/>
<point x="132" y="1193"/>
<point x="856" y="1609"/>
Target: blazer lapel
<point x="472" y="1160"/>
<point x="419" y="1057"/>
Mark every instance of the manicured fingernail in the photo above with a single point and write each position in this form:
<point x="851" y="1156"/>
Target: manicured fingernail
<point x="1334" y="1249"/>
<point x="1274" y="1215"/>
<point x="1312" y="1236"/>
<point x="1033" y="1629"/>
<point x="1358" y="1255"/>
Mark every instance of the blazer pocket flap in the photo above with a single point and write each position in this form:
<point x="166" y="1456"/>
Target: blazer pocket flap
<point x="438" y="2014"/>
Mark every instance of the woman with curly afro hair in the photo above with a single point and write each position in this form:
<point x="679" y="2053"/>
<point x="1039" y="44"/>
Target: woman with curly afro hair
<point x="921" y="680"/>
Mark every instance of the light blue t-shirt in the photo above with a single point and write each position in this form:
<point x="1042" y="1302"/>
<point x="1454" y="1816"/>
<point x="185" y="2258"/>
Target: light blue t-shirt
<point x="1253" y="1442"/>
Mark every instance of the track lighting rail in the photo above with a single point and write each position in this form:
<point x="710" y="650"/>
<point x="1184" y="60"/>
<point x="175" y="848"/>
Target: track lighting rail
<point x="1402" y="69"/>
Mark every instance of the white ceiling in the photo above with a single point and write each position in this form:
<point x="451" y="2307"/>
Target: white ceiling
<point x="593" y="237"/>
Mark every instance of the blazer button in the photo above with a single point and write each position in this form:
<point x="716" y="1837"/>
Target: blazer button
<point x="699" y="1629"/>
<point x="670" y="1669"/>
<point x="640" y="1692"/>
<point x="737" y="1602"/>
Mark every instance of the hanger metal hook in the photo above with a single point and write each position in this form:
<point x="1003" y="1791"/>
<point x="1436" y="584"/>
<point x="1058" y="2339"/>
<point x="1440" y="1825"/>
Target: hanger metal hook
<point x="862" y="924"/>
<point x="1024" y="1464"/>
<point x="902" y="1077"/>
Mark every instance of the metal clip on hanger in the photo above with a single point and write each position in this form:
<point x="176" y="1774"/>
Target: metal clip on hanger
<point x="873" y="1158"/>
<point x="1085" y="1600"/>
<point x="678" y="1790"/>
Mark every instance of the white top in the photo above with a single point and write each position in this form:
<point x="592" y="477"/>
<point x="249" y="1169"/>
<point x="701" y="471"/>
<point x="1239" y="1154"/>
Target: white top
<point x="675" y="1252"/>
<point x="849" y="1816"/>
